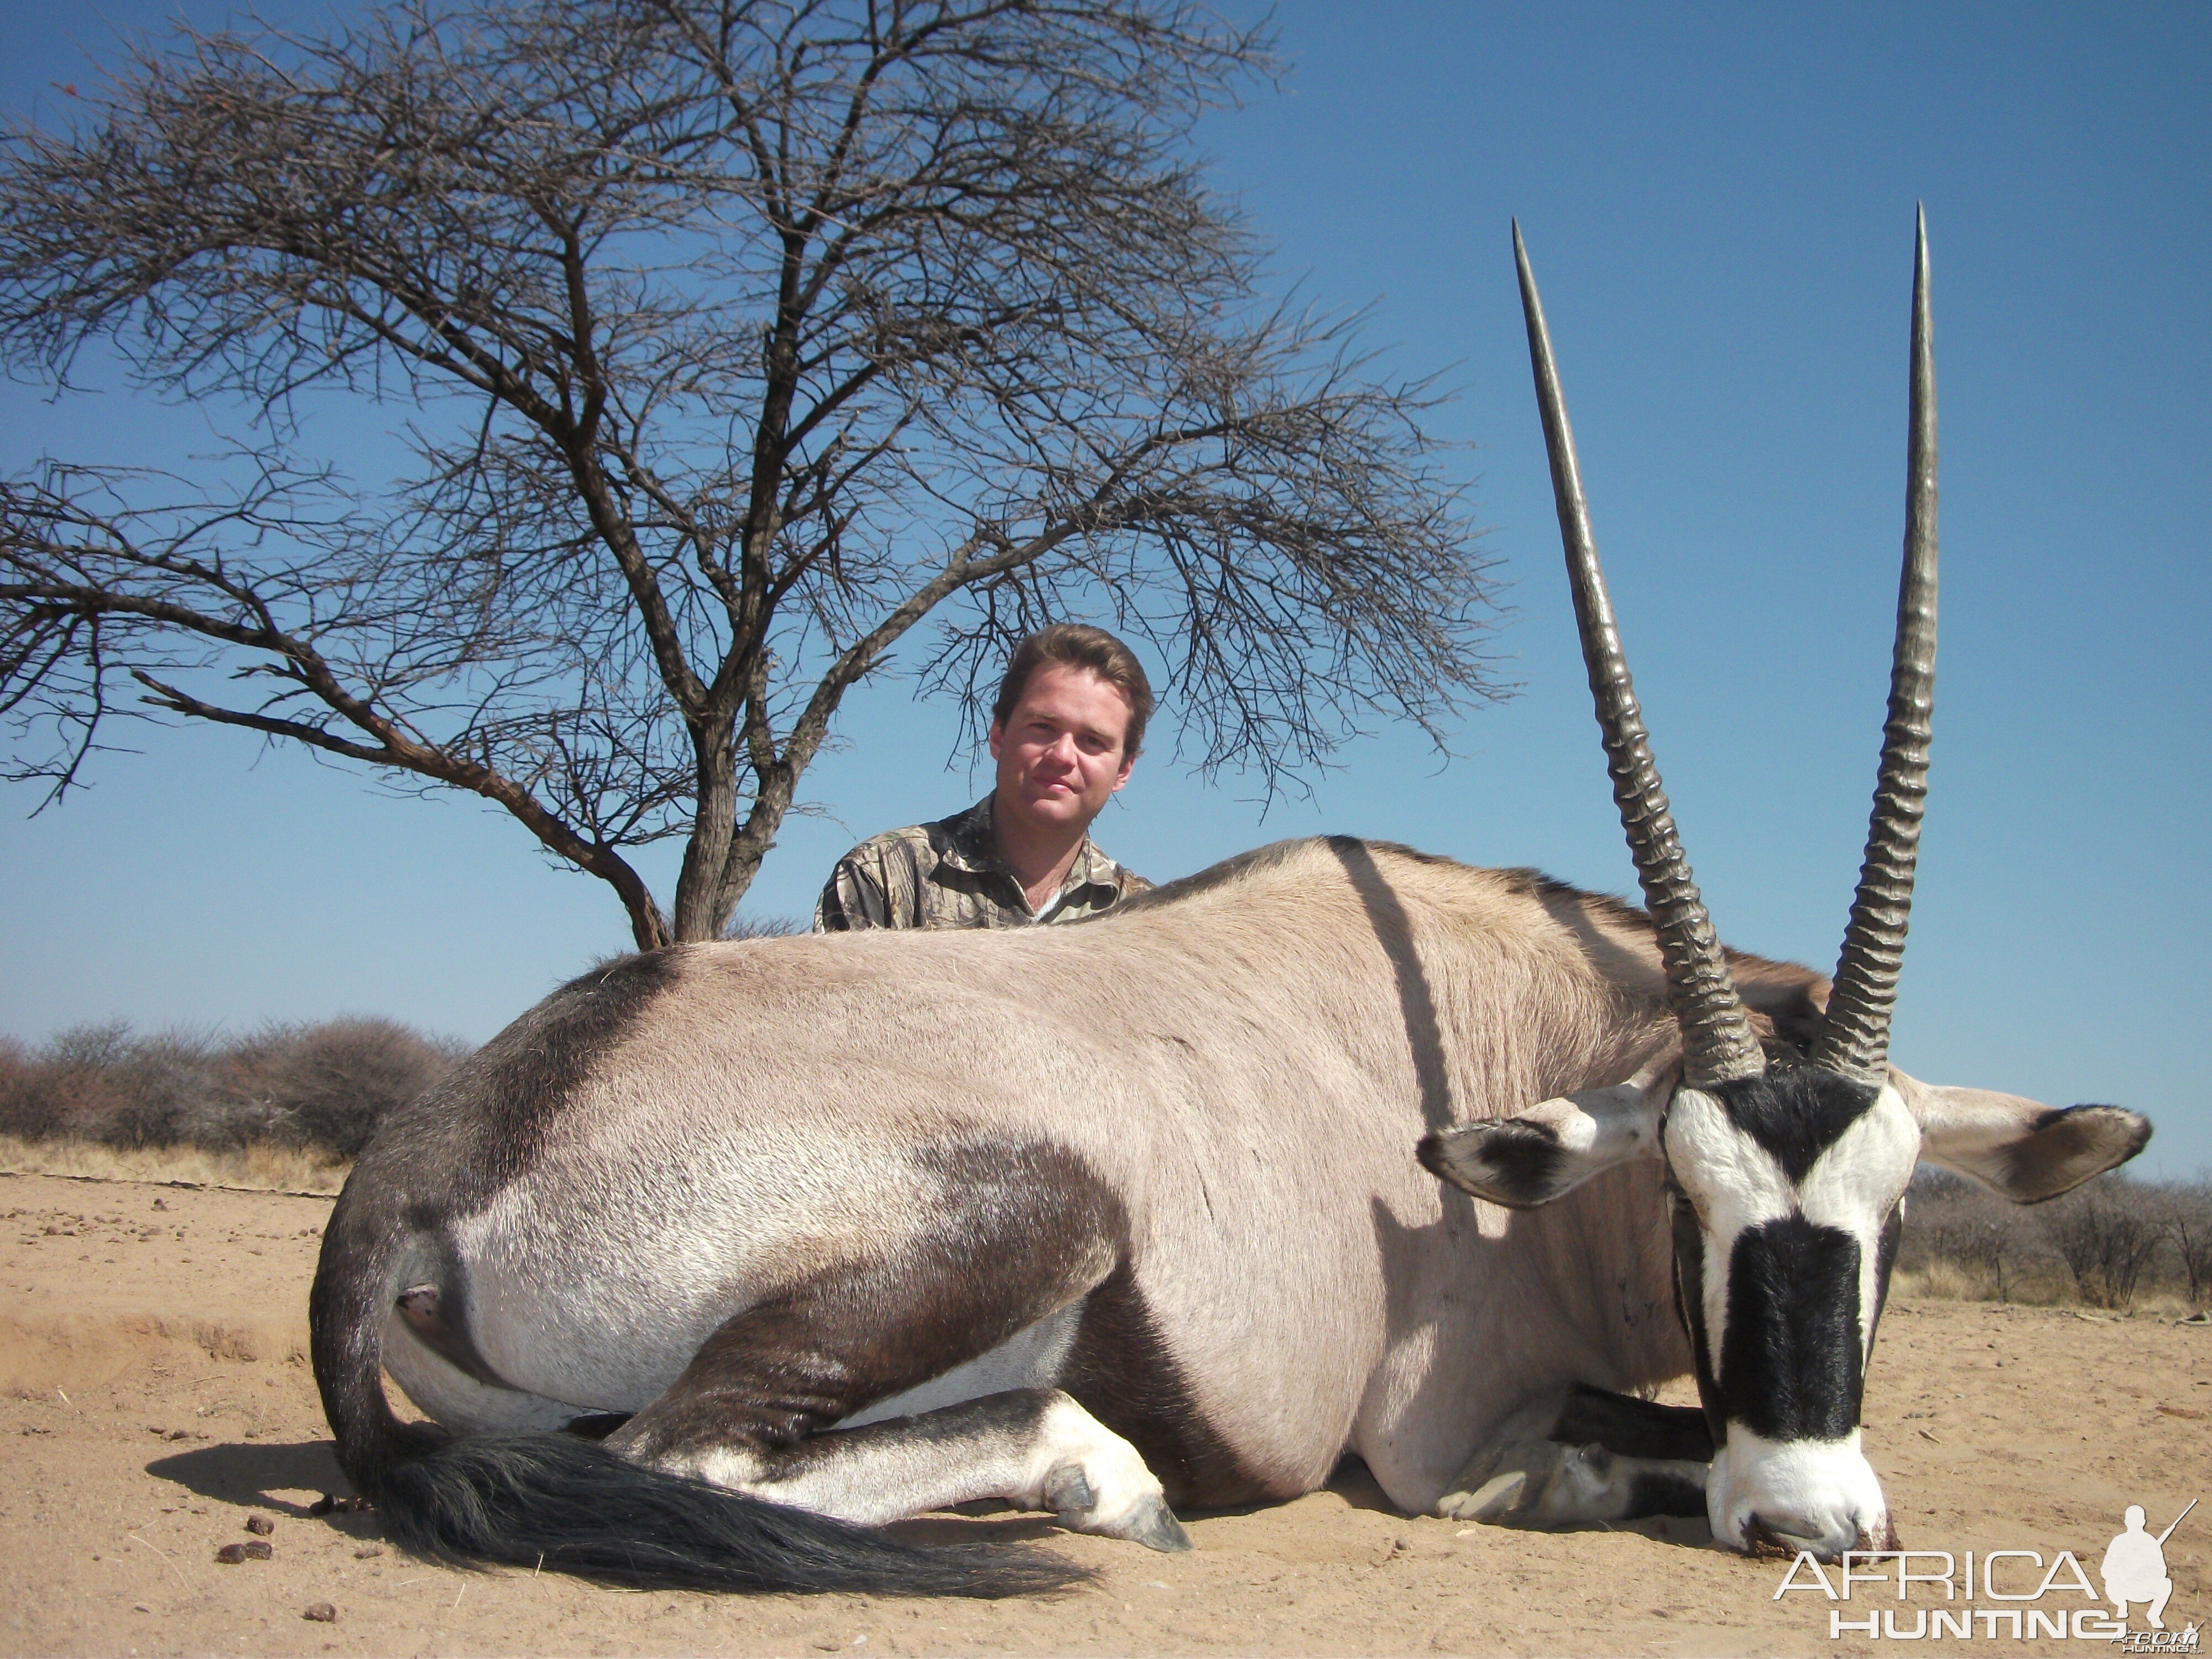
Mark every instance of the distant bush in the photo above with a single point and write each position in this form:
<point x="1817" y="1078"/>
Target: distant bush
<point x="2107" y="1243"/>
<point x="30" y="1105"/>
<point x="2106" y="1233"/>
<point x="1975" y="1232"/>
<point x="2185" y="1217"/>
<point x="319" y="1087"/>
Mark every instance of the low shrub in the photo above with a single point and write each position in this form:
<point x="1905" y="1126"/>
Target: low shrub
<point x="1966" y="1235"/>
<point x="30" y="1107"/>
<point x="319" y="1087"/>
<point x="2185" y="1217"/>
<point x="2108" y="1244"/>
<point x="2106" y="1233"/>
<point x="327" y="1086"/>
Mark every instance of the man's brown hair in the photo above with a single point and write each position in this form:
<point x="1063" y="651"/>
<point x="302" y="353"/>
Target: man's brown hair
<point x="1078" y="645"/>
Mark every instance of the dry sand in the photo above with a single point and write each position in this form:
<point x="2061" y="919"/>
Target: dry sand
<point x="154" y="1396"/>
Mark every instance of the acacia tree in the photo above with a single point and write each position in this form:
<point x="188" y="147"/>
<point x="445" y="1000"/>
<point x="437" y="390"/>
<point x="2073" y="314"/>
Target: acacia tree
<point x="730" y="341"/>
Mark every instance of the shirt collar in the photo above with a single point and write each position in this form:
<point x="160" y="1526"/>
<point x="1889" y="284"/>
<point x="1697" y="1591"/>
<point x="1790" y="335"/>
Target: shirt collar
<point x="971" y="846"/>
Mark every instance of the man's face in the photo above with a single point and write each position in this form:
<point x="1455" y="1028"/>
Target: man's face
<point x="1060" y="752"/>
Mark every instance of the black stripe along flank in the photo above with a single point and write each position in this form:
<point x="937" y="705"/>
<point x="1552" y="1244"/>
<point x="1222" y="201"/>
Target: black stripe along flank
<point x="1791" y="1367"/>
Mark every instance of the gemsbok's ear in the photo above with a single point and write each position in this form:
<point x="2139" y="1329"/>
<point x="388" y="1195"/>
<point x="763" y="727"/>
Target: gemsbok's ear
<point x="1553" y="1147"/>
<point x="2019" y="1149"/>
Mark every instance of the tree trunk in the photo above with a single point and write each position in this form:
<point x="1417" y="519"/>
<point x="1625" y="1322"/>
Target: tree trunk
<point x="701" y="913"/>
<point x="752" y="844"/>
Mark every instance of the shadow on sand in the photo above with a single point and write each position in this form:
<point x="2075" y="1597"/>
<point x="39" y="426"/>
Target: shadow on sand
<point x="253" y="1475"/>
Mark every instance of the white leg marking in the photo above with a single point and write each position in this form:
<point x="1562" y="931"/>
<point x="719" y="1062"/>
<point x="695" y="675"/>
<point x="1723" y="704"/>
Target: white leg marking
<point x="1029" y="1358"/>
<point x="1036" y="1449"/>
<point x="1095" y="1481"/>
<point x="1521" y="1478"/>
<point x="1543" y="1484"/>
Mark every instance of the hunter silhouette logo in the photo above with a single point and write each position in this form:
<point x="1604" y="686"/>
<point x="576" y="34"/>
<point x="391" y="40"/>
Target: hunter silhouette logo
<point x="2134" y="1567"/>
<point x="2006" y="1594"/>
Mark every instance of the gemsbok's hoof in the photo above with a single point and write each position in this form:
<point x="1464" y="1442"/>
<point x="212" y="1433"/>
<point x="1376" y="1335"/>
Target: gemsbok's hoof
<point x="1154" y="1526"/>
<point x="1508" y="1487"/>
<point x="1145" y="1519"/>
<point x="1491" y="1503"/>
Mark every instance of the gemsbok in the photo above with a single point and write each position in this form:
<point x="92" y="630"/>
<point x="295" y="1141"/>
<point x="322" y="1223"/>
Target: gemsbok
<point x="722" y="1254"/>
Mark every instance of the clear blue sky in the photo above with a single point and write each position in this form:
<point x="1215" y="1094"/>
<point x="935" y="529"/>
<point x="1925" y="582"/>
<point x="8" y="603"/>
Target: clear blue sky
<point x="1719" y="202"/>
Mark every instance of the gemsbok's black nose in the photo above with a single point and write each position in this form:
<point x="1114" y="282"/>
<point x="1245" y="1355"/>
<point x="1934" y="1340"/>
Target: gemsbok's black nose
<point x="1780" y="1532"/>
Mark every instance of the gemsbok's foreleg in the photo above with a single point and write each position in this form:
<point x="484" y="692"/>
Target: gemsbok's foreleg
<point x="1583" y="1457"/>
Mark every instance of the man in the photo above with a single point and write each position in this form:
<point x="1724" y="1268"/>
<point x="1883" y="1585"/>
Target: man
<point x="1065" y="729"/>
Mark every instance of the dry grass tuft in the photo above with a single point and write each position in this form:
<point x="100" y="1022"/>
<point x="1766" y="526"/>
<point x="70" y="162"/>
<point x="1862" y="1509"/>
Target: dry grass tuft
<point x="264" y="1168"/>
<point x="1938" y="1281"/>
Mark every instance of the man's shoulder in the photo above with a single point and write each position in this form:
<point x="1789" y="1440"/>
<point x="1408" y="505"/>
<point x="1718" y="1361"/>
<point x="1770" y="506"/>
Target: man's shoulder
<point x="902" y="841"/>
<point x="955" y="839"/>
<point x="1095" y="867"/>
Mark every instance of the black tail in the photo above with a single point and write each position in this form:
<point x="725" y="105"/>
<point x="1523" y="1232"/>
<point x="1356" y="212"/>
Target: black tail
<point x="571" y="1505"/>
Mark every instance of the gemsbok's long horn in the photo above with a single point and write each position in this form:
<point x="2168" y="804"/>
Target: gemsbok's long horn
<point x="1717" y="1043"/>
<point x="1854" y="1037"/>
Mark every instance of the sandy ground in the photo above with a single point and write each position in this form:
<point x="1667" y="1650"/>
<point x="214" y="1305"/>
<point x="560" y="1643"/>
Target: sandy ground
<point x="154" y="1396"/>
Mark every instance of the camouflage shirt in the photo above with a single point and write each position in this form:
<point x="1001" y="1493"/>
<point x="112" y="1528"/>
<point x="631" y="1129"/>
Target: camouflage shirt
<point x="949" y="874"/>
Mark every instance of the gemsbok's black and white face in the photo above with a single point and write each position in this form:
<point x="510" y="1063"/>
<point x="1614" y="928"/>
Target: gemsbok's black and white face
<point x="1785" y="1171"/>
<point x="1787" y="1191"/>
